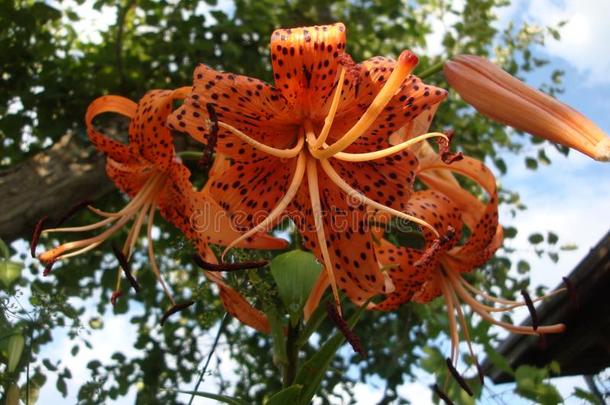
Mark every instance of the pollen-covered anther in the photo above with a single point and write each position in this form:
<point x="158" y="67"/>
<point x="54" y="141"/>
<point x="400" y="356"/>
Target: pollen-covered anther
<point x="174" y="309"/>
<point x="441" y="394"/>
<point x="344" y="328"/>
<point x="36" y="235"/>
<point x="458" y="377"/>
<point x="126" y="267"/>
<point x="530" y="308"/>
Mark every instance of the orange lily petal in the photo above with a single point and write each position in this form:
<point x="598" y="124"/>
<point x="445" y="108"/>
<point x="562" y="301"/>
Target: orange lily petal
<point x="121" y="105"/>
<point x="305" y="62"/>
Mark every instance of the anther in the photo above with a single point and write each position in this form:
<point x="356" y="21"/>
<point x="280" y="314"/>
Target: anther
<point x="48" y="268"/>
<point x="176" y="308"/>
<point x="124" y="264"/>
<point x="36" y="235"/>
<point x="446" y="155"/>
<point x="437" y="390"/>
<point x="228" y="266"/>
<point x="457" y="376"/>
<point x="344" y="328"/>
<point x="530" y="308"/>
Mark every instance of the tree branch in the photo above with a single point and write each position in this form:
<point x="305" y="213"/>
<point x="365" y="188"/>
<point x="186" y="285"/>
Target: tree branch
<point x="49" y="183"/>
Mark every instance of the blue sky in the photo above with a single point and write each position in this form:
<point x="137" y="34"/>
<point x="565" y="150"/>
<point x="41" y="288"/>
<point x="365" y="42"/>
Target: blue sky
<point x="570" y="197"/>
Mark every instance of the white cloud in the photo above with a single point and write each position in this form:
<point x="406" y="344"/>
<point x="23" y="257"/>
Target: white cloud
<point x="584" y="39"/>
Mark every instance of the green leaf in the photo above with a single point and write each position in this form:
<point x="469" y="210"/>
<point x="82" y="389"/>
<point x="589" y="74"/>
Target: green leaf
<point x="286" y="396"/>
<point x="4" y="251"/>
<point x="568" y="247"/>
<point x="523" y="267"/>
<point x="311" y="373"/>
<point x="9" y="272"/>
<point x="552" y="238"/>
<point x="15" y="348"/>
<point x="587" y="396"/>
<point x="295" y="274"/>
<point x="220" y="398"/>
<point x="535" y="238"/>
<point x="498" y="360"/>
<point x="62" y="386"/>
<point x="531" y="163"/>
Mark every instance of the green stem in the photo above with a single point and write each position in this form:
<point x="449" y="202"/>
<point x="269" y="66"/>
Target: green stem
<point x="292" y="355"/>
<point x="189" y="154"/>
<point x="432" y="70"/>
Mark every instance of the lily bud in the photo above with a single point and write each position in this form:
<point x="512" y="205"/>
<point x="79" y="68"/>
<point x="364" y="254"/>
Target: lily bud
<point x="506" y="99"/>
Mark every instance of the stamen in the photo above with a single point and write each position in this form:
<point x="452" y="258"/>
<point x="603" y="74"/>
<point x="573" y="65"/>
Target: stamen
<point x="510" y="305"/>
<point x="328" y="121"/>
<point x="228" y="266"/>
<point x="124" y="264"/>
<point x="175" y="308"/>
<point x="466" y="332"/>
<point x="477" y="307"/>
<point x="314" y="195"/>
<point x="335" y="178"/>
<point x="297" y="179"/>
<point x="379" y="154"/>
<point x="437" y="390"/>
<point x="450" y="303"/>
<point x="404" y="66"/>
<point x="132" y="236"/>
<point x="457" y="377"/>
<point x="36" y="235"/>
<point x="279" y="153"/>
<point x="530" y="308"/>
<point x="73" y="211"/>
<point x="153" y="261"/>
<point x="344" y="328"/>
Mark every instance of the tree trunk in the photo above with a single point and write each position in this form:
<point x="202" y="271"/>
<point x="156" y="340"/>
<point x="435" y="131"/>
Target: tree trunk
<point x="49" y="183"/>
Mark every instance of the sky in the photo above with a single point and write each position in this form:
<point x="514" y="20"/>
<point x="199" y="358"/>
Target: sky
<point x="570" y="197"/>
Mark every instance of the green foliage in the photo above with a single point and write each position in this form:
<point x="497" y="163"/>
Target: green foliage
<point x="295" y="274"/>
<point x="532" y="385"/>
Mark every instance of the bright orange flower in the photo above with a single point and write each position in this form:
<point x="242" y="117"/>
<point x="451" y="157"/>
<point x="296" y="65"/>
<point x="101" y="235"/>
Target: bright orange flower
<point x="421" y="276"/>
<point x="506" y="99"/>
<point x="150" y="173"/>
<point x="315" y="147"/>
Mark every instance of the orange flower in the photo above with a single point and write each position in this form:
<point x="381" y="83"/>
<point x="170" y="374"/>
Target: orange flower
<point x="504" y="98"/>
<point x="149" y="172"/>
<point x="315" y="147"/>
<point x="422" y="275"/>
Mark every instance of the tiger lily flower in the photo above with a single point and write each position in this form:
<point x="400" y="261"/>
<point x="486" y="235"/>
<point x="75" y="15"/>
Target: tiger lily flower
<point x="505" y="99"/>
<point x="421" y="276"/>
<point x="315" y="142"/>
<point x="150" y="173"/>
